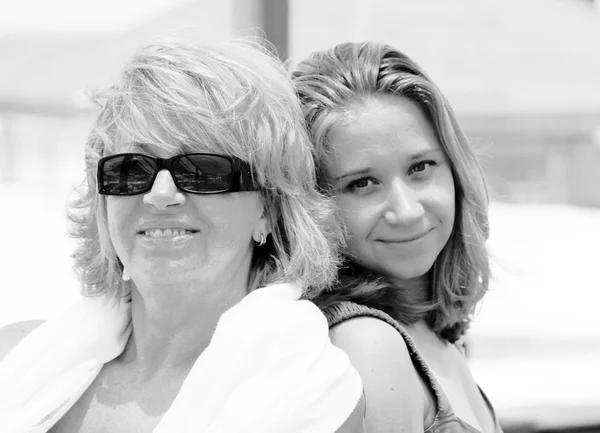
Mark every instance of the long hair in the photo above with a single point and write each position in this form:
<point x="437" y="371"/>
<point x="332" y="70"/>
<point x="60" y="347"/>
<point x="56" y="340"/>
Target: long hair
<point x="234" y="99"/>
<point x="328" y="83"/>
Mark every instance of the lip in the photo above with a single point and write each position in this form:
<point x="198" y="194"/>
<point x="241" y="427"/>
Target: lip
<point x="165" y="224"/>
<point x="171" y="243"/>
<point x="407" y="239"/>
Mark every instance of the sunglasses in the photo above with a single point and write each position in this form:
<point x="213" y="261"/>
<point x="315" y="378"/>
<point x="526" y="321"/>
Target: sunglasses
<point x="196" y="173"/>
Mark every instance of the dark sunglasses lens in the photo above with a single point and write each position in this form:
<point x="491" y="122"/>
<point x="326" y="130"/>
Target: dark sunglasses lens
<point x="128" y="174"/>
<point x="203" y="173"/>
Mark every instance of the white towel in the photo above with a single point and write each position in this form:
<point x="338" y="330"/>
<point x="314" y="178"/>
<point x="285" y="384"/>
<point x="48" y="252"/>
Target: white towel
<point x="270" y="368"/>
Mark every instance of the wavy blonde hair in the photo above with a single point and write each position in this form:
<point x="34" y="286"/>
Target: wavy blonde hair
<point x="233" y="99"/>
<point x="328" y="83"/>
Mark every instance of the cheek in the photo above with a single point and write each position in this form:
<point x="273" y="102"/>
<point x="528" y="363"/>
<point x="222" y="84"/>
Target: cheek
<point x="230" y="231"/>
<point x="233" y="221"/>
<point x="358" y="218"/>
<point x="112" y="217"/>
<point x="449" y="199"/>
<point x="443" y="200"/>
<point x="118" y="211"/>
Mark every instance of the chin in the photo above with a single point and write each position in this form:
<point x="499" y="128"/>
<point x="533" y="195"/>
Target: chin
<point x="409" y="271"/>
<point x="163" y="273"/>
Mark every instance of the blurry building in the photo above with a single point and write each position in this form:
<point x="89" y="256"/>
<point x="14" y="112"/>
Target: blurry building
<point x="46" y="82"/>
<point x="523" y="76"/>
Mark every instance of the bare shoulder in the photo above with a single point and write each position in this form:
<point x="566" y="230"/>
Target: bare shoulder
<point x="11" y="335"/>
<point x="395" y="396"/>
<point x="370" y="340"/>
<point x="356" y="422"/>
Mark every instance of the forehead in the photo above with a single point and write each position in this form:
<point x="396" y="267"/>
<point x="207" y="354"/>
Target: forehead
<point x="160" y="139"/>
<point x="389" y="128"/>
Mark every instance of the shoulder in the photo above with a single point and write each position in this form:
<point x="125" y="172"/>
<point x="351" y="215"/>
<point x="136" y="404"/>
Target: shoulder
<point x="395" y="395"/>
<point x="11" y="335"/>
<point x="356" y="422"/>
<point x="374" y="342"/>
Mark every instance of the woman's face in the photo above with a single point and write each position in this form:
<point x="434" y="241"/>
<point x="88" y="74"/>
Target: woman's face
<point x="167" y="236"/>
<point x="394" y="187"/>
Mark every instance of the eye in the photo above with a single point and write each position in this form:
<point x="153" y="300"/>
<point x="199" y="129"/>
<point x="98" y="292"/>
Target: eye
<point x="361" y="184"/>
<point x="421" y="166"/>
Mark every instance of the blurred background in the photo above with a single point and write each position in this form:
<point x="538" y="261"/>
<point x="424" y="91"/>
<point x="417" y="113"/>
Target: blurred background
<point x="522" y="75"/>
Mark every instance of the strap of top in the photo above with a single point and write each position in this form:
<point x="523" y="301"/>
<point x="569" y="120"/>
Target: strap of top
<point x="346" y="310"/>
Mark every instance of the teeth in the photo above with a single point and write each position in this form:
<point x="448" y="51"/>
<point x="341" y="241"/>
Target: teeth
<point x="166" y="233"/>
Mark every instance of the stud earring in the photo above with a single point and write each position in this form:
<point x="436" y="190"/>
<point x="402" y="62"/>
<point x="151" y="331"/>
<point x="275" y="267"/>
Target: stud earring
<point x="263" y="240"/>
<point x="125" y="276"/>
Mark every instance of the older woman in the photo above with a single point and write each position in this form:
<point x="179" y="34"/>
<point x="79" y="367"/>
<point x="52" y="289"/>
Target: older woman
<point x="413" y="199"/>
<point x="199" y="190"/>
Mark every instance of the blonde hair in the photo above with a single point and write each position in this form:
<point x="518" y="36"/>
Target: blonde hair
<point x="233" y="99"/>
<point x="328" y="83"/>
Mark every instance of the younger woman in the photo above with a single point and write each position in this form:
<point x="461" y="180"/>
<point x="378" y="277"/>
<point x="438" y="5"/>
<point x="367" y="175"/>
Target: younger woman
<point x="413" y="200"/>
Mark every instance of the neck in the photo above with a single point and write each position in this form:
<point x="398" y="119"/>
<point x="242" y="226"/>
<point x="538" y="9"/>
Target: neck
<point x="419" y="285"/>
<point x="415" y="291"/>
<point x="173" y="324"/>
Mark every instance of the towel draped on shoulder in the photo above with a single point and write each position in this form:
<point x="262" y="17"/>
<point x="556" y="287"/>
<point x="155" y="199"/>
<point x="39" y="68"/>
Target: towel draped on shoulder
<point x="270" y="367"/>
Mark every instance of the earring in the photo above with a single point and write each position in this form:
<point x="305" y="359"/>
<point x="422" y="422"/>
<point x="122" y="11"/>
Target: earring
<point x="125" y="276"/>
<point x="263" y="240"/>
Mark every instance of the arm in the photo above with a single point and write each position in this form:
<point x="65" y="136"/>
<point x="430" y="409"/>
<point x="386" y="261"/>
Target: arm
<point x="11" y="335"/>
<point x="394" y="394"/>
<point x="356" y="421"/>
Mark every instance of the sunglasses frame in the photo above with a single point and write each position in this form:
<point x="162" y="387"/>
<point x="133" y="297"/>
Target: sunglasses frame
<point x="242" y="175"/>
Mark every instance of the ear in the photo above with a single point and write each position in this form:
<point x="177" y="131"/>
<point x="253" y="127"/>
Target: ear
<point x="262" y="226"/>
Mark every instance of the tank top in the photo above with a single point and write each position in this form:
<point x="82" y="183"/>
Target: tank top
<point x="445" y="420"/>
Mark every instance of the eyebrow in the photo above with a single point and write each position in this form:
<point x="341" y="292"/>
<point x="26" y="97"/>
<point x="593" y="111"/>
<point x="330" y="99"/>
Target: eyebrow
<point x="424" y="153"/>
<point x="354" y="173"/>
<point x="368" y="170"/>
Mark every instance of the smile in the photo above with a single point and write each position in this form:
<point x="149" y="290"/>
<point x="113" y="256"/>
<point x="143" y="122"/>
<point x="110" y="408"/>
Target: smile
<point x="167" y="233"/>
<point x="405" y="240"/>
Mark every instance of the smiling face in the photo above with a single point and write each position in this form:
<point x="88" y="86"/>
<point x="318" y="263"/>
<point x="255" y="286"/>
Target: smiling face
<point x="167" y="236"/>
<point x="394" y="187"/>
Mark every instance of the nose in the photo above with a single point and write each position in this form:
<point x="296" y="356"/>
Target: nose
<point x="164" y="192"/>
<point x="403" y="205"/>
